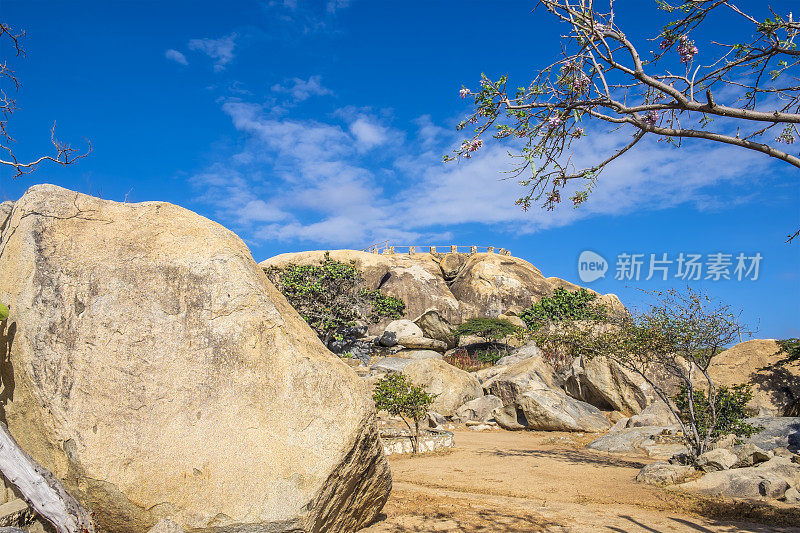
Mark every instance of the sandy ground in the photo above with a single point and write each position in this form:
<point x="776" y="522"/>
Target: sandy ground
<point x="502" y="481"/>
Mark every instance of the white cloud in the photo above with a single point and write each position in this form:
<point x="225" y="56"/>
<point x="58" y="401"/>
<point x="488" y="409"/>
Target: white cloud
<point x="301" y="89"/>
<point x="324" y="182"/>
<point x="174" y="55"/>
<point x="221" y="50"/>
<point x="368" y="134"/>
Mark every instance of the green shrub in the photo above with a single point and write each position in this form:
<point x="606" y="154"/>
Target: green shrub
<point x="791" y="347"/>
<point x="564" y="305"/>
<point x="330" y="296"/>
<point x="729" y="408"/>
<point x="489" y="329"/>
<point x="396" y="395"/>
<point x="3" y="312"/>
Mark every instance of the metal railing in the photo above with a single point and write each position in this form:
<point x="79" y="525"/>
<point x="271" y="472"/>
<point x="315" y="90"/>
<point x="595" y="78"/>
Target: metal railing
<point x="384" y="247"/>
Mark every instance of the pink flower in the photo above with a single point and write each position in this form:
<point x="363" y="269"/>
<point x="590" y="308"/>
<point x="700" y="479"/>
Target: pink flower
<point x="686" y="49"/>
<point x="651" y="118"/>
<point x="464" y="92"/>
<point x="554" y="121"/>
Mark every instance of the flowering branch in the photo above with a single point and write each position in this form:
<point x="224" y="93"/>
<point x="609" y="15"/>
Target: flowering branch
<point x="747" y="96"/>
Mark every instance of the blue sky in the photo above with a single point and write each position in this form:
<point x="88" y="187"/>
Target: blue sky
<point x="321" y="124"/>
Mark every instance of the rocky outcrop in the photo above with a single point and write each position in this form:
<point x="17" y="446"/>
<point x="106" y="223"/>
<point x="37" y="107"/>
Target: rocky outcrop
<point x="458" y="286"/>
<point x="769" y="480"/>
<point x="546" y="409"/>
<point x="489" y="284"/>
<point x="513" y="380"/>
<point x="434" y="326"/>
<point x="663" y="473"/>
<point x="776" y="432"/>
<point x="479" y="409"/>
<point x="754" y="361"/>
<point x="150" y="365"/>
<point x="605" y="384"/>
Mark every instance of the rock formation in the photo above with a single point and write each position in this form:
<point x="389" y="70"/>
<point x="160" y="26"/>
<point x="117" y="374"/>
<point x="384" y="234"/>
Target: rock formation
<point x="150" y="365"/>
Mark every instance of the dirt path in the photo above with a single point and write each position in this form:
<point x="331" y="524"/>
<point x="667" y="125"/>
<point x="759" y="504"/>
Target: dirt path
<point x="525" y="481"/>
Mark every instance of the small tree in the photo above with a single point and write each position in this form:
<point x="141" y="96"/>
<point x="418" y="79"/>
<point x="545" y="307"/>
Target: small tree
<point x="491" y="330"/>
<point x="676" y="339"/>
<point x="330" y="296"/>
<point x="396" y="395"/>
<point x="564" y="305"/>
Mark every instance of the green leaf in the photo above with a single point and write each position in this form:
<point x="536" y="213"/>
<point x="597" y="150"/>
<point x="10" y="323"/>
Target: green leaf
<point x="3" y="312"/>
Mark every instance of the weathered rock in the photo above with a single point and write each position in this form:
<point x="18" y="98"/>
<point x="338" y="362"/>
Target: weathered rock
<point x="542" y="408"/>
<point x="749" y="455"/>
<point x="714" y="460"/>
<point x="792" y="495"/>
<point x="422" y="343"/>
<point x="485" y="374"/>
<point x="434" y="326"/>
<point x="769" y="480"/>
<point x="514" y="321"/>
<point x="452" y="386"/>
<point x="628" y="440"/>
<point x="605" y="384"/>
<point x="389" y="365"/>
<point x="404" y="330"/>
<point x="655" y="414"/>
<point x="479" y="409"/>
<point x="777" y="432"/>
<point x="451" y="265"/>
<point x="387" y="339"/>
<point x="436" y="420"/>
<point x="418" y="354"/>
<point x="159" y="374"/>
<point x="663" y="473"/>
<point x="520" y="377"/>
<point x="754" y="362"/>
<point x="526" y="351"/>
<point x="5" y="212"/>
<point x="491" y="283"/>
<point x="514" y="310"/>
<point x="167" y="526"/>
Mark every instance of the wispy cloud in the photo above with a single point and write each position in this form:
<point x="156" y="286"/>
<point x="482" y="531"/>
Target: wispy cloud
<point x="300" y="89"/>
<point x="355" y="179"/>
<point x="220" y="50"/>
<point x="174" y="55"/>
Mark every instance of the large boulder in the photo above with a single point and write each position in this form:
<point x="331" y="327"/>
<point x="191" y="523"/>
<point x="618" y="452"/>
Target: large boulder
<point x="776" y="432"/>
<point x="435" y="326"/>
<point x="663" y="473"/>
<point x="754" y="361"/>
<point x="491" y="283"/>
<point x="152" y="367"/>
<point x="605" y="384"/>
<point x="479" y="409"/>
<point x="628" y="440"/>
<point x="769" y="480"/>
<point x="452" y="386"/>
<point x="545" y="409"/>
<point x="657" y="413"/>
<point x="513" y="380"/>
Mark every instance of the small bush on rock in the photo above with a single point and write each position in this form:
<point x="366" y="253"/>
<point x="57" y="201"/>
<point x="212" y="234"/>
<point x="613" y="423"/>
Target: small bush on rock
<point x="467" y="362"/>
<point x="564" y="305"/>
<point x="396" y="395"/>
<point x="726" y="418"/>
<point x="330" y="296"/>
